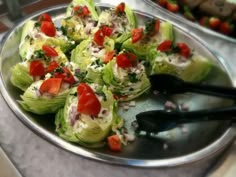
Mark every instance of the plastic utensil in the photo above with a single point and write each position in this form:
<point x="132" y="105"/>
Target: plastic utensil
<point x="162" y="120"/>
<point x="170" y="84"/>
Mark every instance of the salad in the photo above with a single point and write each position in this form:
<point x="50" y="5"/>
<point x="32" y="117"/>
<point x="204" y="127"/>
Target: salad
<point x="81" y="71"/>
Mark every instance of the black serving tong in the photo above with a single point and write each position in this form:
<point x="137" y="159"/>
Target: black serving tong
<point x="163" y="120"/>
<point x="170" y="84"/>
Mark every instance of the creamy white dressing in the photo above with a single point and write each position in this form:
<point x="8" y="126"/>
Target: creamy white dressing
<point x="174" y="59"/>
<point x="119" y="72"/>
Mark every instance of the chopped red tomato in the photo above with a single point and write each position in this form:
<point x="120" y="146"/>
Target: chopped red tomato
<point x="183" y="49"/>
<point x="157" y="26"/>
<point x="165" y="46"/>
<point x="106" y="30"/>
<point x="49" y="51"/>
<point x="81" y="11"/>
<point x="44" y="17"/>
<point x="51" y="85"/>
<point x="36" y="68"/>
<point x="65" y="75"/>
<point x="120" y="8"/>
<point x="114" y="143"/>
<point x="82" y="87"/>
<point x="136" y="34"/>
<point x="126" y="60"/>
<point x="108" y="56"/>
<point x="52" y="66"/>
<point x="88" y="104"/>
<point x="48" y="28"/>
<point x="99" y="37"/>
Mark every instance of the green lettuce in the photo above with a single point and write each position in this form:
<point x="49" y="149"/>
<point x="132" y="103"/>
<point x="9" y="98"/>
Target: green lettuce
<point x="125" y="84"/>
<point x="89" y="61"/>
<point x="34" y="102"/>
<point x="20" y="77"/>
<point x="141" y="48"/>
<point x="86" y="130"/>
<point x="193" y="69"/>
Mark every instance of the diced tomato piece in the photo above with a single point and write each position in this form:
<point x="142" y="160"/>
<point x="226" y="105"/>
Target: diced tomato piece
<point x="81" y="11"/>
<point x="120" y="8"/>
<point x="52" y="66"/>
<point x="88" y="104"/>
<point x="106" y="30"/>
<point x="86" y="11"/>
<point x="99" y="37"/>
<point x="44" y="17"/>
<point x="184" y="50"/>
<point x="165" y="46"/>
<point x="48" y="28"/>
<point x="108" y="56"/>
<point x="157" y="26"/>
<point x="82" y="87"/>
<point x="65" y="75"/>
<point x="126" y="60"/>
<point x="36" y="68"/>
<point x="51" y="85"/>
<point x="136" y="34"/>
<point x="114" y="143"/>
<point x="49" y="51"/>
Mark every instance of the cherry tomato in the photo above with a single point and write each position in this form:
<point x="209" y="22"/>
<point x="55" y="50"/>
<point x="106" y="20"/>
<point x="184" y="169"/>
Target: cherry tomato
<point x="136" y="34"/>
<point x="126" y="60"/>
<point x="51" y="85"/>
<point x="99" y="37"/>
<point x="82" y="87"/>
<point x="48" y="28"/>
<point x="49" y="51"/>
<point x="120" y="8"/>
<point x="106" y="30"/>
<point x="172" y="6"/>
<point x="114" y="143"/>
<point x="108" y="56"/>
<point x="36" y="68"/>
<point x="165" y="46"/>
<point x="183" y="49"/>
<point x="65" y="75"/>
<point x="88" y="104"/>
<point x="52" y="66"/>
<point x="162" y="3"/>
<point x="45" y="17"/>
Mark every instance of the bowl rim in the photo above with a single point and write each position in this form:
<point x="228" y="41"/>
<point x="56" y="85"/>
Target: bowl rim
<point x="218" y="145"/>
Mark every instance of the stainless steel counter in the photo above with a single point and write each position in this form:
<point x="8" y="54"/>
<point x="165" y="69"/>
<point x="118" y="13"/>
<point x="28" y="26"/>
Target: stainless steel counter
<point x="34" y="157"/>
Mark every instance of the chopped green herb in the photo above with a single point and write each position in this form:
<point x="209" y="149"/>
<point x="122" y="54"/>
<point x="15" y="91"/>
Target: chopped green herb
<point x="37" y="25"/>
<point x="133" y="77"/>
<point x="39" y="53"/>
<point x="97" y="63"/>
<point x="81" y="76"/>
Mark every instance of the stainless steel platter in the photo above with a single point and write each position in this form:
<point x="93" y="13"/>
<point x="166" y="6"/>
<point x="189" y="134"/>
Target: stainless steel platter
<point x="180" y="18"/>
<point x="182" y="145"/>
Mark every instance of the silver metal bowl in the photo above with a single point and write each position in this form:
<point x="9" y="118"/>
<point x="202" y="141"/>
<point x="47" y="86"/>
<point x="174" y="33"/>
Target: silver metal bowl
<point x="170" y="148"/>
<point x="190" y="23"/>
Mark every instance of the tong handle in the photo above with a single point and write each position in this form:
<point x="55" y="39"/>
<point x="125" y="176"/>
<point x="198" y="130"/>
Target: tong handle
<point x="162" y="120"/>
<point x="221" y="91"/>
